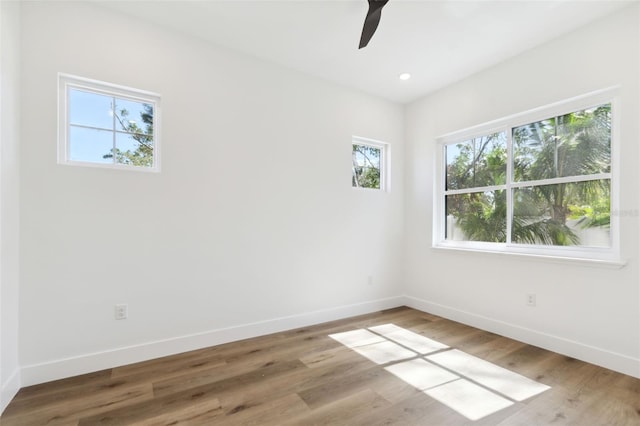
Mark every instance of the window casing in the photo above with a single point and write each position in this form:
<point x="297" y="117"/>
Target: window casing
<point x="539" y="183"/>
<point x="106" y="125"/>
<point x="369" y="164"/>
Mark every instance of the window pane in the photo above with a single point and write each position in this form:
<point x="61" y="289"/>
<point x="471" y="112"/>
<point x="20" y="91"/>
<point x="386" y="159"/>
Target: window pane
<point x="563" y="215"/>
<point x="478" y="216"/>
<point x="585" y="144"/>
<point x="477" y="162"/>
<point x="134" y="117"/>
<point x="90" y="109"/>
<point x="136" y="150"/>
<point x="366" y="166"/>
<point x="574" y="144"/>
<point x="90" y="145"/>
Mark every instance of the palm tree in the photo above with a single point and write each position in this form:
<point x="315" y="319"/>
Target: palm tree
<point x="575" y="144"/>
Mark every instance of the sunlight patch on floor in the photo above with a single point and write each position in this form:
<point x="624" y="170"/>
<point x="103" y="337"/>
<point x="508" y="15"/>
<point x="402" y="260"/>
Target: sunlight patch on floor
<point x="409" y="339"/>
<point x="469" y="385"/>
<point x="373" y="347"/>
<point x="355" y="338"/>
<point x="421" y="374"/>
<point x="384" y="353"/>
<point x="470" y="400"/>
<point x="500" y="379"/>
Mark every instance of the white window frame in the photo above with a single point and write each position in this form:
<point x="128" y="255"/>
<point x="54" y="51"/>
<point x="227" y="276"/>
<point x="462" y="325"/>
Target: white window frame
<point x="67" y="82"/>
<point x="385" y="156"/>
<point x="608" y="255"/>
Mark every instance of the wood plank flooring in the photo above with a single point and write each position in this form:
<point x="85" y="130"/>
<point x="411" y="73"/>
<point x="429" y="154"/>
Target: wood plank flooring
<point x="306" y="377"/>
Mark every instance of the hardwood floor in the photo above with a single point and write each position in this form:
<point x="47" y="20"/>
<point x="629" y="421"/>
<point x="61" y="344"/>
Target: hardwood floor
<point x="306" y="377"/>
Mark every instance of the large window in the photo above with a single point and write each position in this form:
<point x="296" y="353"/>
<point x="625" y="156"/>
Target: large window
<point x="537" y="183"/>
<point x="106" y="125"/>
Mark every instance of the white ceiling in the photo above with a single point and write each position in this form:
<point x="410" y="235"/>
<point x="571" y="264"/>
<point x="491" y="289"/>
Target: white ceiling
<point x="438" y="42"/>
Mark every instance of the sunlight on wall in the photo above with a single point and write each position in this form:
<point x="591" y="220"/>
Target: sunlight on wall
<point x="471" y="386"/>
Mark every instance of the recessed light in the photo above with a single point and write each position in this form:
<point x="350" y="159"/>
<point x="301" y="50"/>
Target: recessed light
<point x="405" y="76"/>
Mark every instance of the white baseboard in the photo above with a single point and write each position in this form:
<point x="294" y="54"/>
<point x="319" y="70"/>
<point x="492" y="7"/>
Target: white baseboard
<point x="9" y="389"/>
<point x="602" y="357"/>
<point x="87" y="363"/>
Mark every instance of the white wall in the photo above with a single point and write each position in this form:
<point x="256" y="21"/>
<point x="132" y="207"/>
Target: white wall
<point x="252" y="225"/>
<point x="9" y="199"/>
<point x="252" y="218"/>
<point x="585" y="311"/>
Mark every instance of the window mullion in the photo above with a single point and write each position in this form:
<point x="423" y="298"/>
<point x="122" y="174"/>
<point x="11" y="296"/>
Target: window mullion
<point x="475" y="189"/>
<point x="565" y="179"/>
<point x="508" y="181"/>
<point x="113" y="113"/>
<point x="67" y="136"/>
<point x="441" y="213"/>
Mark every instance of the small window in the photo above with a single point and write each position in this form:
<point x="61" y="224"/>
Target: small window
<point x="105" y="125"/>
<point x="536" y="183"/>
<point x="368" y="164"/>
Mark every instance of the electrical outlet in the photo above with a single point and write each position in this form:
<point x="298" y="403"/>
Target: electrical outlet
<point x="370" y="280"/>
<point x="120" y="312"/>
<point x="531" y="299"/>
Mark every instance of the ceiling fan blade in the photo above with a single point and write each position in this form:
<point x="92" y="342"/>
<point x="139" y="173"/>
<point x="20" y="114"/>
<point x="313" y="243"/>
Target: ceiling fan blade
<point x="371" y="21"/>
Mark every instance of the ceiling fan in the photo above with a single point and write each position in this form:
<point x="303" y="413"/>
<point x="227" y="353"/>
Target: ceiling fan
<point x="371" y="21"/>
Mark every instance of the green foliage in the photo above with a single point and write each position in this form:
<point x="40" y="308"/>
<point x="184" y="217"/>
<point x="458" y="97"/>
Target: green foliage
<point x="536" y="222"/>
<point x="142" y="155"/>
<point x="365" y="166"/>
<point x="576" y="144"/>
<point x="481" y="215"/>
<point x="598" y="214"/>
<point x="478" y="162"/>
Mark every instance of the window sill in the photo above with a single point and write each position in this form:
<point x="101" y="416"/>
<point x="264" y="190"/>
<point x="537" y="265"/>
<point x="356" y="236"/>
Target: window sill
<point x="599" y="263"/>
<point x="110" y="166"/>
<point x="359" y="188"/>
